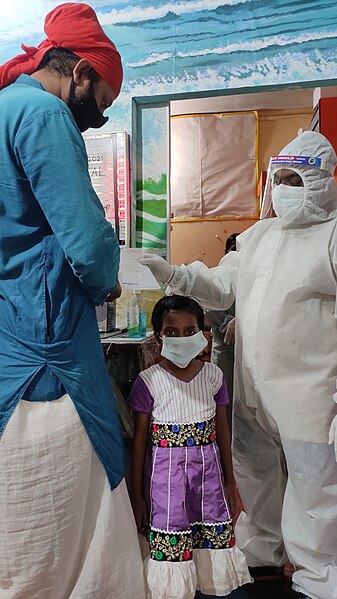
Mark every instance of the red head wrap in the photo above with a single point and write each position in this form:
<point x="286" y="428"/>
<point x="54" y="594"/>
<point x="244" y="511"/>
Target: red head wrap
<point x="75" y="27"/>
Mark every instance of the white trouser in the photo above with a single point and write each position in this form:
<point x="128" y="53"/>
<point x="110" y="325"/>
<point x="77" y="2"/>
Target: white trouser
<point x="260" y="474"/>
<point x="305" y="516"/>
<point x="63" y="533"/>
<point x="309" y="518"/>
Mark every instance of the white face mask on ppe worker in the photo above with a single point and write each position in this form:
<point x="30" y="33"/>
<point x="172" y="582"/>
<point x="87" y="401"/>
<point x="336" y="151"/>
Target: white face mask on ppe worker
<point x="181" y="350"/>
<point x="286" y="197"/>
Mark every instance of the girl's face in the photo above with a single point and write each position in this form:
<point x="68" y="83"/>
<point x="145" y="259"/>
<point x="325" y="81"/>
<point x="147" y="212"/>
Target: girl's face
<point x="179" y="323"/>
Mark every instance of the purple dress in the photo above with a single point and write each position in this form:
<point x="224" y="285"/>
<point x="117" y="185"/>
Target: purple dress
<point x="191" y="537"/>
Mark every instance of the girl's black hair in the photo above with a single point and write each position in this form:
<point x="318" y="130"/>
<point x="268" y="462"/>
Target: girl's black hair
<point x="178" y="303"/>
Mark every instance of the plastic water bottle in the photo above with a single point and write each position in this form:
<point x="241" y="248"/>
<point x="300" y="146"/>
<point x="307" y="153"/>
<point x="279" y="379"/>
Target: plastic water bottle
<point x="136" y="315"/>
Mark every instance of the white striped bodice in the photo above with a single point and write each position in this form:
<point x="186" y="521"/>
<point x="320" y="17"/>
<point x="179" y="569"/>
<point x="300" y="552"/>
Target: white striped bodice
<point x="177" y="401"/>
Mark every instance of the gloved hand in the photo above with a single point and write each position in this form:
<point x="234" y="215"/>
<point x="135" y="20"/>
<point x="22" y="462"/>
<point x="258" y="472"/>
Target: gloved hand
<point x="161" y="270"/>
<point x="229" y="332"/>
<point x="333" y="434"/>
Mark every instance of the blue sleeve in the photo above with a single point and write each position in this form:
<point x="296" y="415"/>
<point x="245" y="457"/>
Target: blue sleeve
<point x="51" y="151"/>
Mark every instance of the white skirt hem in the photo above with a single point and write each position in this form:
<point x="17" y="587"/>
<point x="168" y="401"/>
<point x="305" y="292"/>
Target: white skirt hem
<point x="212" y="571"/>
<point x="220" y="571"/>
<point x="170" y="580"/>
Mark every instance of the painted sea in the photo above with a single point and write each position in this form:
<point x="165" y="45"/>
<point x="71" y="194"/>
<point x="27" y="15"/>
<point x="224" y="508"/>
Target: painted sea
<point x="193" y="45"/>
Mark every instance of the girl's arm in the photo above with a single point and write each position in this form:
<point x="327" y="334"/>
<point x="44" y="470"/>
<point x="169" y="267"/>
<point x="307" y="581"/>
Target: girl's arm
<point x="140" y="441"/>
<point x="224" y="443"/>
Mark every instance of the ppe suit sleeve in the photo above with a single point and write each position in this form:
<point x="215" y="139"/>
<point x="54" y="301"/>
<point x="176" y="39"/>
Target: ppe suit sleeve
<point x="51" y="152"/>
<point x="214" y="288"/>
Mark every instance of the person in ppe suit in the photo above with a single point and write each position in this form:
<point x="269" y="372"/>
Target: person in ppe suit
<point x="283" y="278"/>
<point x="223" y="338"/>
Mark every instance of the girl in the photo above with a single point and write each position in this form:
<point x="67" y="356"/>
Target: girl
<point x="180" y="404"/>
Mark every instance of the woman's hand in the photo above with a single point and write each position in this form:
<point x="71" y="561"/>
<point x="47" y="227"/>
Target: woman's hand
<point x="141" y="515"/>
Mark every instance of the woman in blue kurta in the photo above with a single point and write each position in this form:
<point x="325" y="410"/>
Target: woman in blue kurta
<point x="66" y="528"/>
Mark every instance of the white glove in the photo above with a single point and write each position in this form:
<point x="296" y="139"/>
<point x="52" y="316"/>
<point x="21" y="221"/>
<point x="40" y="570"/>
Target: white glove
<point x="333" y="434"/>
<point x="161" y="270"/>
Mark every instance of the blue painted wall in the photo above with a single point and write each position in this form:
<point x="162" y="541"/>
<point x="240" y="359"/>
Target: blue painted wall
<point x="187" y="46"/>
<point x="196" y="45"/>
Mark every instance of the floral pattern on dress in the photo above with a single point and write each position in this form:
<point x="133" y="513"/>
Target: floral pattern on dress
<point x="171" y="546"/>
<point x="168" y="546"/>
<point x="183" y="434"/>
<point x="219" y="535"/>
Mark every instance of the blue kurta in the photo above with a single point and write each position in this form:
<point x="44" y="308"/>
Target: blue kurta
<point x="59" y="258"/>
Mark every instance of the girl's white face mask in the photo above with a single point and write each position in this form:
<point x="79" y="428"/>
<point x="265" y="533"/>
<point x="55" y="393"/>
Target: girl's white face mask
<point x="181" y="350"/>
<point x="287" y="197"/>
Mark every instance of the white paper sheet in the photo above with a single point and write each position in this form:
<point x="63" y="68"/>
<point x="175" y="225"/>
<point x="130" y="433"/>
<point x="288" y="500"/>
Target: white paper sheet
<point x="134" y="275"/>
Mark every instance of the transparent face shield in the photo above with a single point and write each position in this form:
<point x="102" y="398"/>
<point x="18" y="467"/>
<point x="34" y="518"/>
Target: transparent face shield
<point x="285" y="170"/>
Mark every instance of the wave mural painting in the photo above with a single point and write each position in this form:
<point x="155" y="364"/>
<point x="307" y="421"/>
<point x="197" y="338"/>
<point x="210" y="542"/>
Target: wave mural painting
<point x="181" y="46"/>
<point x="188" y="46"/>
<point x="197" y="45"/>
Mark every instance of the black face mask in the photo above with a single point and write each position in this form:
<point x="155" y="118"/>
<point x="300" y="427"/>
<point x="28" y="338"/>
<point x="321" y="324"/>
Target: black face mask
<point x="85" y="110"/>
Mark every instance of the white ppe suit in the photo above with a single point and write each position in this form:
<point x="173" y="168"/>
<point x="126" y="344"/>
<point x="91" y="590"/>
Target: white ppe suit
<point x="283" y="278"/>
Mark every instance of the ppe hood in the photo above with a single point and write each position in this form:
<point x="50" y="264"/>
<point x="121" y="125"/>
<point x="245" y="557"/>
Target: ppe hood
<point x="311" y="156"/>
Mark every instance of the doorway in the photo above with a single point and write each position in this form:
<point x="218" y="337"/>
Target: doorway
<point x="281" y="113"/>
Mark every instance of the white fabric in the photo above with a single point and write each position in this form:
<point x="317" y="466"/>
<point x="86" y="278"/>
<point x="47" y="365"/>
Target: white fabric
<point x="284" y="278"/>
<point x="213" y="572"/>
<point x="63" y="533"/>
<point x="260" y="472"/>
<point x="170" y="580"/>
<point x="228" y="568"/>
<point x="309" y="519"/>
<point x="182" y="350"/>
<point x="287" y="197"/>
<point x="177" y="401"/>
